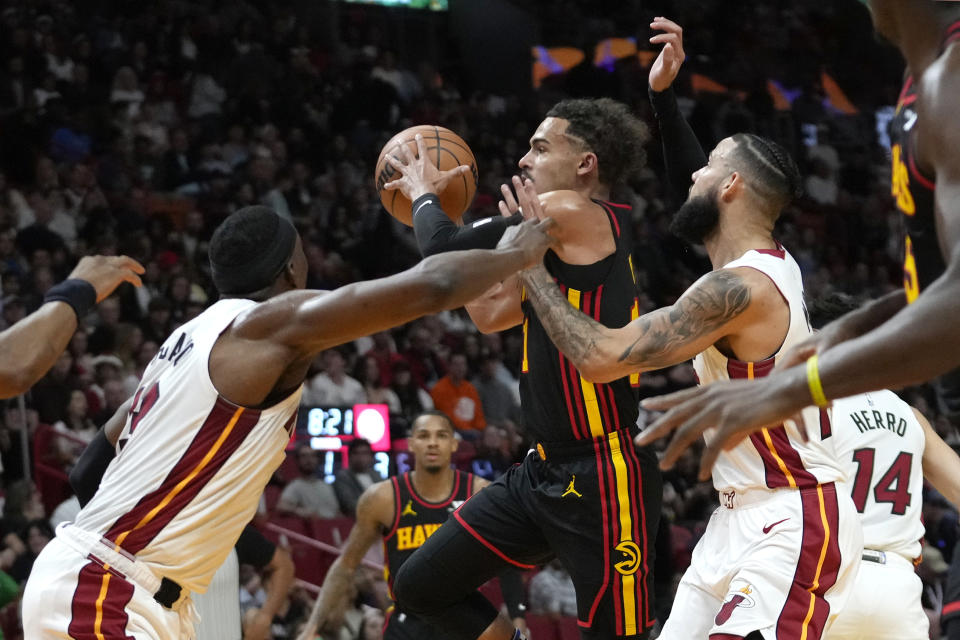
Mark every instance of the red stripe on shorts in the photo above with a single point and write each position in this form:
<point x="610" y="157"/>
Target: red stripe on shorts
<point x="806" y="606"/>
<point x="113" y="602"/>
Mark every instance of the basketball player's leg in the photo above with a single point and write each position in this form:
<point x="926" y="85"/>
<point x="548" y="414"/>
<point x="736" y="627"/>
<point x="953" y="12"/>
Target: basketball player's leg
<point x="884" y="604"/>
<point x="605" y="534"/>
<point x="794" y="562"/>
<point x="69" y="596"/>
<point x="490" y="532"/>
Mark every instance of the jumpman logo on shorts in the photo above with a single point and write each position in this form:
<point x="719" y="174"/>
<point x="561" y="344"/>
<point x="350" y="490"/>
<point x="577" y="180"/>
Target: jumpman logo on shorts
<point x="571" y="488"/>
<point x="408" y="509"/>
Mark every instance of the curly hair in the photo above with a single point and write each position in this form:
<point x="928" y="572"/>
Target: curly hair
<point x="608" y="129"/>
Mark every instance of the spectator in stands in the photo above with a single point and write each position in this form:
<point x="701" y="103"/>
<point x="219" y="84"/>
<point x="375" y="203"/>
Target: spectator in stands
<point x="458" y="398"/>
<point x="414" y="399"/>
<point x="51" y="395"/>
<point x="552" y="593"/>
<point x="493" y="453"/>
<point x="425" y="365"/>
<point x="356" y="477"/>
<point x="496" y="398"/>
<point x="23" y="504"/>
<point x="308" y="496"/>
<point x="332" y="386"/>
<point x="384" y="351"/>
<point x="79" y="428"/>
<point x="368" y="370"/>
<point x="36" y="534"/>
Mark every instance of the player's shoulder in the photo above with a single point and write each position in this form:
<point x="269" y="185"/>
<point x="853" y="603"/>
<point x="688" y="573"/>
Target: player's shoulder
<point x="741" y="281"/>
<point x="940" y="92"/>
<point x="377" y="501"/>
<point x="565" y="202"/>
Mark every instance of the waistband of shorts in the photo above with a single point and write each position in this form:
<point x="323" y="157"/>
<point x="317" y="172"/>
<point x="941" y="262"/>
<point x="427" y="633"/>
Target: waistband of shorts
<point x="126" y="566"/>
<point x="575" y="449"/>
<point x="742" y="498"/>
<point x="878" y="556"/>
<point x="119" y="562"/>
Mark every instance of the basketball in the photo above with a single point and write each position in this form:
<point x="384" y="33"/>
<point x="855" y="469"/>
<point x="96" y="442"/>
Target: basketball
<point x="448" y="151"/>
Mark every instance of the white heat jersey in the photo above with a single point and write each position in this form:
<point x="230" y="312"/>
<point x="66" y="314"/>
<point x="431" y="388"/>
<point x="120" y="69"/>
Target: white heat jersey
<point x="190" y="465"/>
<point x="775" y="457"/>
<point x="878" y="437"/>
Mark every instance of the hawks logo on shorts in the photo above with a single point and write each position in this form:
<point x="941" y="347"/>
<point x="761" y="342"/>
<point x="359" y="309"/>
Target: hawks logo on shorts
<point x="739" y="598"/>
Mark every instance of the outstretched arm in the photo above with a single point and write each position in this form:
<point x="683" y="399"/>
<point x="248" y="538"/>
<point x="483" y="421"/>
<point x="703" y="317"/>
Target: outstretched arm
<point x="374" y="510"/>
<point x="715" y="306"/>
<point x="310" y="322"/>
<point x="30" y="347"/>
<point x="941" y="465"/>
<point x="682" y="153"/>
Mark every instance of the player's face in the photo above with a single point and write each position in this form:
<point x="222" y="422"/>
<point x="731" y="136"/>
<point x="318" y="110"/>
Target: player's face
<point x="717" y="168"/>
<point x="700" y="214"/>
<point x="553" y="158"/>
<point x="432" y="443"/>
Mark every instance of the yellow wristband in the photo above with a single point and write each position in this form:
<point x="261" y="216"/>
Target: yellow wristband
<point x="813" y="381"/>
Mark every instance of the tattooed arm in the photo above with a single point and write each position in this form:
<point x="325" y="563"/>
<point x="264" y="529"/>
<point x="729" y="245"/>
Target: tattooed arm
<point x="720" y="306"/>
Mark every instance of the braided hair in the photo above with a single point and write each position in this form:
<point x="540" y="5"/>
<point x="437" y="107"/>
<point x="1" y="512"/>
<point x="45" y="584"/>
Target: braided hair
<point x="768" y="168"/>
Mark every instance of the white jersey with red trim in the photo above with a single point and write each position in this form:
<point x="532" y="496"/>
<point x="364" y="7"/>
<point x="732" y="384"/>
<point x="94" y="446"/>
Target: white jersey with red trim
<point x="775" y="457"/>
<point x="190" y="465"/>
<point x="879" y="439"/>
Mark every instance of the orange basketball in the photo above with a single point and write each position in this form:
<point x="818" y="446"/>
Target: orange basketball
<point x="447" y="150"/>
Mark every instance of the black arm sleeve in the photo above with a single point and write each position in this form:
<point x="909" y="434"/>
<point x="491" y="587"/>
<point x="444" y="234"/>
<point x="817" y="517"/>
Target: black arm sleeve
<point x="436" y="233"/>
<point x="253" y="548"/>
<point x="514" y="593"/>
<point x="682" y="153"/>
<point x="88" y="471"/>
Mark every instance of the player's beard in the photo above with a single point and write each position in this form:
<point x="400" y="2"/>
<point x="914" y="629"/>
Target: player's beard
<point x="697" y="218"/>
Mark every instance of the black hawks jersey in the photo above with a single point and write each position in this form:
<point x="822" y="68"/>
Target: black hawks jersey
<point x="914" y="192"/>
<point x="558" y="403"/>
<point x="415" y="519"/>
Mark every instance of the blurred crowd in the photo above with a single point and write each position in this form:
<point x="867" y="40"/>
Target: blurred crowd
<point x="137" y="129"/>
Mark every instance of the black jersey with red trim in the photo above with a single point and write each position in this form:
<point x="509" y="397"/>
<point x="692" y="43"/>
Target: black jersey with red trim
<point x="415" y="519"/>
<point x="923" y="260"/>
<point x="558" y="404"/>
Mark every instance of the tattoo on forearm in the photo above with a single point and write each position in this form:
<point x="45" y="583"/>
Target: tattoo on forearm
<point x="718" y="299"/>
<point x="573" y="332"/>
<point x="721" y="297"/>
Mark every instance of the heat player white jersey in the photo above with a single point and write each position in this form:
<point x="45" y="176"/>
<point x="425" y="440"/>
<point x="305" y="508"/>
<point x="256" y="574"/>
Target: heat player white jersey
<point x="190" y="466"/>
<point x="878" y="437"/>
<point x="775" y="457"/>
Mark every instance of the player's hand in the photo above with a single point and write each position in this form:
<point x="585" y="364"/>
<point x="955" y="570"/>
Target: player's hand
<point x="106" y="273"/>
<point x="529" y="200"/>
<point x="418" y="175"/>
<point x="532" y="237"/>
<point x="667" y="65"/>
<point x="258" y="627"/>
<point x="509" y="205"/>
<point x="736" y="408"/>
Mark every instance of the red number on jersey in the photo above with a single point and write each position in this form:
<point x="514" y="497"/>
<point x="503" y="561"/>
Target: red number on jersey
<point x="898" y="474"/>
<point x="142" y="403"/>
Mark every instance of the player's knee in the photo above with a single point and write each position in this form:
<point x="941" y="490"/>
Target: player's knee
<point x="412" y="587"/>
